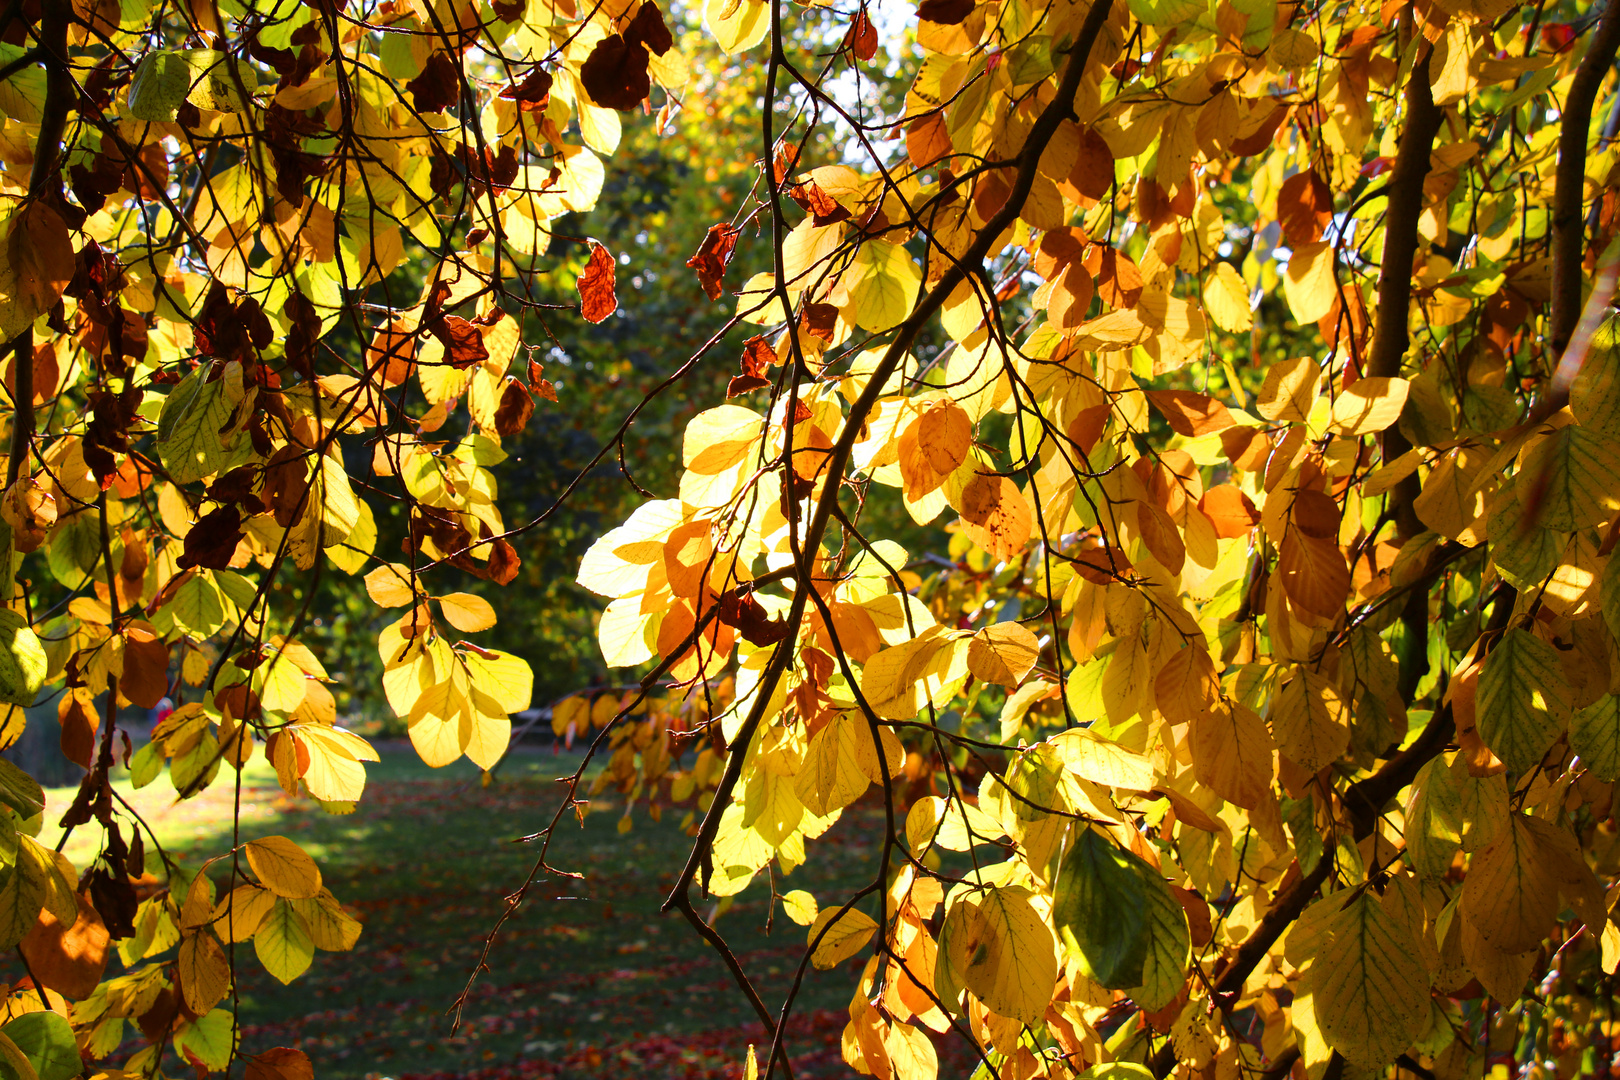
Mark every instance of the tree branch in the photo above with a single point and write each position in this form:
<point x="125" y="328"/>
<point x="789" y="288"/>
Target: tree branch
<point x="1570" y="180"/>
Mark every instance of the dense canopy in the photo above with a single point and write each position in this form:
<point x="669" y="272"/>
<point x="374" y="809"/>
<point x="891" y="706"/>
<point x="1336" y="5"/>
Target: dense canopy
<point x="1151" y="465"/>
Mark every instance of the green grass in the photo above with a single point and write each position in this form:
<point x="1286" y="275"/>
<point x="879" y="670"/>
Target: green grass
<point x="588" y="979"/>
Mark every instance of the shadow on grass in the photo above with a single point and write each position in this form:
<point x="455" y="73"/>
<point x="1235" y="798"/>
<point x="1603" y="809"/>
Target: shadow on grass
<point x="587" y="980"/>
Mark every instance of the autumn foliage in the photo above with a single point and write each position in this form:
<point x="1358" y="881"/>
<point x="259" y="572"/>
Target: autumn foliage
<point x="1172" y="472"/>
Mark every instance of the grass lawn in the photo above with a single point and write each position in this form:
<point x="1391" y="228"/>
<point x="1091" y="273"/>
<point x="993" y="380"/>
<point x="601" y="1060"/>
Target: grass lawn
<point x="588" y="980"/>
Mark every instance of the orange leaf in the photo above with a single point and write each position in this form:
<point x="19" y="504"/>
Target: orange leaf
<point x="146" y="667"/>
<point x="68" y="959"/>
<point x="1190" y="414"/>
<point x="1231" y="511"/>
<point x="597" y="299"/>
<point x="1314" y="573"/>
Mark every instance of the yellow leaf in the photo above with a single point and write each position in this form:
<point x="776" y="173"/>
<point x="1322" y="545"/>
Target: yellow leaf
<point x="205" y="974"/>
<point x="911" y="1053"/>
<point x="440" y="724"/>
<point x="334" y="773"/>
<point x="1370" y="992"/>
<point x="737" y="26"/>
<point x="1309" y="282"/>
<point x="1003" y="653"/>
<point x="239" y="916"/>
<point x="390" y="585"/>
<point x="831" y="776"/>
<point x="282" y="867"/>
<point x="1226" y="298"/>
<point x="800" y="906"/>
<point x="719" y="438"/>
<point x="845" y="935"/>
<point x="1310" y="721"/>
<point x="330" y="927"/>
<point x="466" y="612"/>
<point x="1368" y="406"/>
<point x="1290" y="389"/>
<point x="1094" y="758"/>
<point x="1232" y="754"/>
<point x="998" y="946"/>
<point x="506" y="679"/>
<point x="1509" y="894"/>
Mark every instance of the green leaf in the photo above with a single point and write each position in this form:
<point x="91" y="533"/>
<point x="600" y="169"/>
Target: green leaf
<point x="1594" y="734"/>
<point x="283" y="943"/>
<point x="1594" y="396"/>
<point x="162" y="80"/>
<point x="1100" y="909"/>
<point x="47" y="1041"/>
<point x="23" y="894"/>
<point x="1369" y="989"/>
<point x="1434" y="820"/>
<point x="23" y="666"/>
<point x="1568" y="479"/>
<point x="22" y="96"/>
<point x="74" y="548"/>
<point x="1523" y="700"/>
<point x="20" y="791"/>
<point x="209" y="1038"/>
<point x="214" y="78"/>
<point x="1164" y="969"/>
<point x="197" y="607"/>
<point x="189" y="425"/>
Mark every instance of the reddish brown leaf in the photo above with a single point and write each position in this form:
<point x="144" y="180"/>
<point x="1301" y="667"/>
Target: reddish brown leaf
<point x="615" y="74"/>
<point x="530" y="94"/>
<point x="819" y="321"/>
<point x="463" y="344"/>
<point x="1304" y="208"/>
<point x="1314" y="573"/>
<point x="282" y="1063"/>
<point x="1093" y="171"/>
<point x="648" y="29"/>
<point x="712" y="257"/>
<point x="1088" y="424"/>
<point x="597" y="299"/>
<point x="503" y="563"/>
<point x="212" y="541"/>
<point x="949" y="12"/>
<point x="146" y="667"/>
<point x="928" y="140"/>
<point x="1101" y="566"/>
<point x="439" y="85"/>
<point x="1190" y="414"/>
<point x="392" y="353"/>
<point x="825" y="208"/>
<point x="512" y="414"/>
<point x="861" y="38"/>
<point x="757" y="358"/>
<point x="745" y="613"/>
